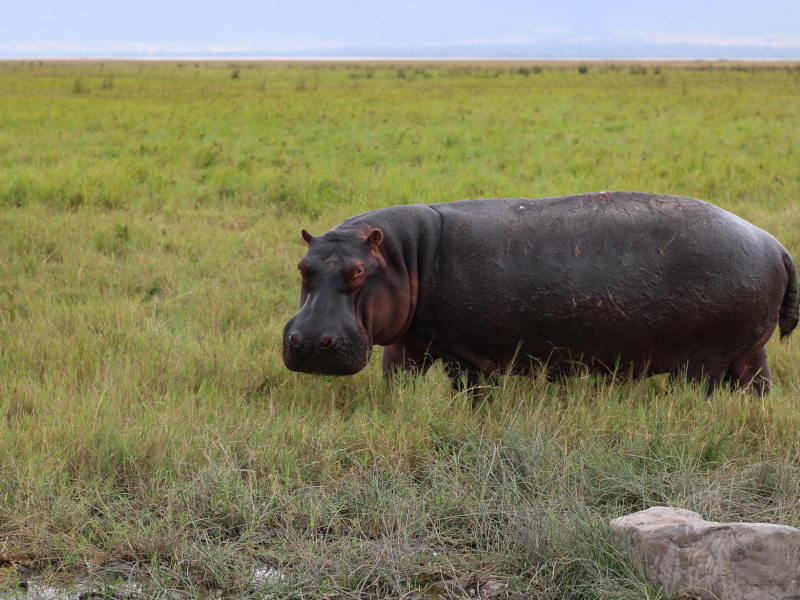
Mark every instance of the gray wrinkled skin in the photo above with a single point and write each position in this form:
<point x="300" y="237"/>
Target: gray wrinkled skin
<point x="609" y="281"/>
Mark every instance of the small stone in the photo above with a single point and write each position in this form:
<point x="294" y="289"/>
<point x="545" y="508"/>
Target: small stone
<point x="693" y="559"/>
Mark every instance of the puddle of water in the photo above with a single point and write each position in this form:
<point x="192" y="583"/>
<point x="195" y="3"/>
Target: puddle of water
<point x="267" y="576"/>
<point x="38" y="590"/>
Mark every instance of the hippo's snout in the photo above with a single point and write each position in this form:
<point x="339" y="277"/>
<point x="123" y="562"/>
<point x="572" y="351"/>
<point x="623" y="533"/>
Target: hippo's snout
<point x="310" y="349"/>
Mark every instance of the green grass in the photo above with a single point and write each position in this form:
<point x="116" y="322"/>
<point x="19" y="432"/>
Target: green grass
<point x="149" y="231"/>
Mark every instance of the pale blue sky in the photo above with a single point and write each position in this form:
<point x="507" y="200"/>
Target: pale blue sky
<point x="78" y="26"/>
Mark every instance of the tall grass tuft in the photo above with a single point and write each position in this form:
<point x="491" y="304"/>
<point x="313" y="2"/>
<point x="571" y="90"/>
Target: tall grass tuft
<point x="78" y="86"/>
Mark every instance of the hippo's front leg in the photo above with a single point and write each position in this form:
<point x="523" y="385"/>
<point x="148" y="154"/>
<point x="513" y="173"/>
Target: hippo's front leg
<point x="400" y="357"/>
<point x="464" y="377"/>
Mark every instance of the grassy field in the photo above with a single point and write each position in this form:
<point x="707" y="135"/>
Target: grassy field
<point x="149" y="232"/>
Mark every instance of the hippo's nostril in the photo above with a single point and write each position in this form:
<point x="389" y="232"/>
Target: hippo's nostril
<point x="326" y="341"/>
<point x="294" y="342"/>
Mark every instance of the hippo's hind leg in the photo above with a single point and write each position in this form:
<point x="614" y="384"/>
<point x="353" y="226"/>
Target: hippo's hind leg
<point x="399" y="358"/>
<point x="751" y="372"/>
<point x="710" y="371"/>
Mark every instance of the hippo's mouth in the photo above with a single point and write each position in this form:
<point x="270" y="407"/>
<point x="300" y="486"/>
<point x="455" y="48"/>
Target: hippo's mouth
<point x="346" y="358"/>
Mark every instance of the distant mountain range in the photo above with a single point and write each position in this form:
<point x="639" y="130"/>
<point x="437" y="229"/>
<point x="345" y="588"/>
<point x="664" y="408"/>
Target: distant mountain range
<point x="558" y="50"/>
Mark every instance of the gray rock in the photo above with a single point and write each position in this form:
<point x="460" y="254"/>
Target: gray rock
<point x="691" y="558"/>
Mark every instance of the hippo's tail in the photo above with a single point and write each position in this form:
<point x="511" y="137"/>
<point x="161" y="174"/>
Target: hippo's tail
<point x="791" y="299"/>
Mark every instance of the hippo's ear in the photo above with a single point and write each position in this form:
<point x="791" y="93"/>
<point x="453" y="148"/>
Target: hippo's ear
<point x="375" y="238"/>
<point x="307" y="237"/>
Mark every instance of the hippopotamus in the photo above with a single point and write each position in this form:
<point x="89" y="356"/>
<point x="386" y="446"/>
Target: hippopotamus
<point x="614" y="282"/>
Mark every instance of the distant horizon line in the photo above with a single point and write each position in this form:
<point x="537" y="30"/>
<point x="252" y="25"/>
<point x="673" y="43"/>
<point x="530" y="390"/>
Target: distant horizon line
<point x="356" y="58"/>
<point x="508" y="50"/>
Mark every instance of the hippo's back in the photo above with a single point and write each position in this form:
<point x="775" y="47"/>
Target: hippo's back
<point x="610" y="221"/>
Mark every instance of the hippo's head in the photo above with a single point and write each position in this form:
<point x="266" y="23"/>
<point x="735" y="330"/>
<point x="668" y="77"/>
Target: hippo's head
<point x="349" y="301"/>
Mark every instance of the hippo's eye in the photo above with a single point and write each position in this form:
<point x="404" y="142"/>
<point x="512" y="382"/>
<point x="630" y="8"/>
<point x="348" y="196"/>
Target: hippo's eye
<point x="356" y="272"/>
<point x="303" y="272"/>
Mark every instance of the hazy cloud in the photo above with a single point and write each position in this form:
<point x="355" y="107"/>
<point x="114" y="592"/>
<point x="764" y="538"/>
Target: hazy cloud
<point x="202" y="27"/>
